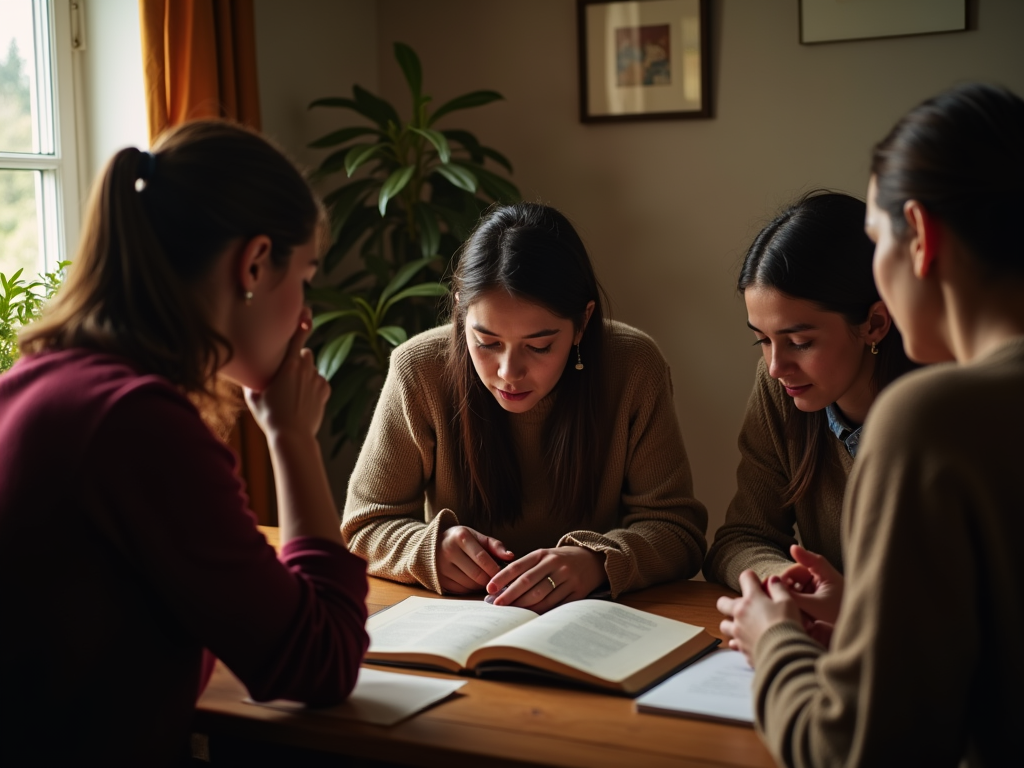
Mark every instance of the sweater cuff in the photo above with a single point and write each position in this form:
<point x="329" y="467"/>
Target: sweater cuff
<point x="617" y="567"/>
<point x="424" y="568"/>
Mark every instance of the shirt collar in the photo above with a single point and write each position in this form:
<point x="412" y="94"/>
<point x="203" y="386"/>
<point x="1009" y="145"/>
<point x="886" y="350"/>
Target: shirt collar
<point x="847" y="435"/>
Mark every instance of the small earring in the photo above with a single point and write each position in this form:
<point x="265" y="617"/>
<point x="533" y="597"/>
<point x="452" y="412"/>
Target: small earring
<point x="248" y="297"/>
<point x="579" y="360"/>
<point x="874" y="348"/>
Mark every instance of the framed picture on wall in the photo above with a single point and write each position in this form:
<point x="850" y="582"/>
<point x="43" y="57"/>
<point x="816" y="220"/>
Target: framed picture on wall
<point x="643" y="60"/>
<point x="824" y="21"/>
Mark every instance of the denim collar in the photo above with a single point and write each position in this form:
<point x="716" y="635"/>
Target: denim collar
<point x="847" y="435"/>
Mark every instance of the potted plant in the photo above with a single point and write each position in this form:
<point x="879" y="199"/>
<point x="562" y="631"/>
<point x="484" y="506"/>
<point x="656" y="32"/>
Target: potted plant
<point x="412" y="192"/>
<point x="20" y="304"/>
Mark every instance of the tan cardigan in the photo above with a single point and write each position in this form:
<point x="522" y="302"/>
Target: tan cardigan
<point x="926" y="665"/>
<point x="759" y="527"/>
<point x="402" y="493"/>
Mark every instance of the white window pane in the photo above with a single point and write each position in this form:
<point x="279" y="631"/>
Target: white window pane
<point x="26" y="98"/>
<point x="20" y="230"/>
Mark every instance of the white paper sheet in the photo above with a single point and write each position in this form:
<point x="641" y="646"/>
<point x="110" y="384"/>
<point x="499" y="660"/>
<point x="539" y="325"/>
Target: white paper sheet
<point x="381" y="698"/>
<point x="716" y="687"/>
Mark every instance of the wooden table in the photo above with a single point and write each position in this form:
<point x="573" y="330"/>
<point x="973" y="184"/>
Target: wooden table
<point x="496" y="723"/>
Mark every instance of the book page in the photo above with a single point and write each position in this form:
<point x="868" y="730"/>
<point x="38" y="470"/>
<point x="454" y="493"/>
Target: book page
<point x="448" y="628"/>
<point x="718" y="686"/>
<point x="607" y="640"/>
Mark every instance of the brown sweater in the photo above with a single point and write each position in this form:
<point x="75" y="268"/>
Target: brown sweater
<point x="403" y="491"/>
<point x="926" y="666"/>
<point x="759" y="526"/>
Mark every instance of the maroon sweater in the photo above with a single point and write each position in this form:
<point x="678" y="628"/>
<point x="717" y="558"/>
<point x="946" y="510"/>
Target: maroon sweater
<point x="126" y="548"/>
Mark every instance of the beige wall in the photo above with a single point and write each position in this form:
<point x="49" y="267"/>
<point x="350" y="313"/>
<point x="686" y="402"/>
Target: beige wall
<point x="666" y="208"/>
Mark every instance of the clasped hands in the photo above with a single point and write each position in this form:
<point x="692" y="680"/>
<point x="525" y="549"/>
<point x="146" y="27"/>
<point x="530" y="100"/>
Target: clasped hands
<point x="468" y="561"/>
<point x="809" y="593"/>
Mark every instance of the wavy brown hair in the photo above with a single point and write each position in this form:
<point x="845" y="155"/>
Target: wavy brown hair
<point x="532" y="252"/>
<point x="155" y="225"/>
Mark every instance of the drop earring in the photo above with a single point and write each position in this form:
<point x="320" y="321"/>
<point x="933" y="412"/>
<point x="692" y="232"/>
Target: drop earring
<point x="248" y="297"/>
<point x="579" y="360"/>
<point x="874" y="348"/>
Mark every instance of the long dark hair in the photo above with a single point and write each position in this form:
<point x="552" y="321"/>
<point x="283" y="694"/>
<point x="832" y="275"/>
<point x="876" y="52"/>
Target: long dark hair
<point x="961" y="156"/>
<point x="155" y="225"/>
<point x="532" y="252"/>
<point x="816" y="250"/>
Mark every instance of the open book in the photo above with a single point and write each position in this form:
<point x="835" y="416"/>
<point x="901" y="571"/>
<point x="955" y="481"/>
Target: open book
<point x="593" y="642"/>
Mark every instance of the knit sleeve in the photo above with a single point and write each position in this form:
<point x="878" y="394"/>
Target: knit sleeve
<point x="385" y="519"/>
<point x="759" y="525"/>
<point x="661" y="529"/>
<point x="900" y="684"/>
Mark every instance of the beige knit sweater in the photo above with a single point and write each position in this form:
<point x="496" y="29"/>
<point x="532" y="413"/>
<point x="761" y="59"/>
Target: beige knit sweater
<point x="403" y="491"/>
<point x="759" y="527"/>
<point x="926" y="665"/>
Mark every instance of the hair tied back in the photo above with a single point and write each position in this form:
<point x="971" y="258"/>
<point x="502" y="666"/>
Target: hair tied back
<point x="147" y="166"/>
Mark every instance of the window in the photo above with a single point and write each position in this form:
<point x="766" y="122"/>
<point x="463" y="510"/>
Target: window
<point x="38" y="171"/>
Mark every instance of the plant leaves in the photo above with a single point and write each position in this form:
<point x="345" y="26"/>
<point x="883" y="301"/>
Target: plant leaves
<point x="345" y="387"/>
<point x="497" y="157"/>
<point x="358" y="155"/>
<point x="423" y="289"/>
<point x="333" y="354"/>
<point x="403" y="276"/>
<point x="394" y="334"/>
<point x="468" y="141"/>
<point x="341" y="136"/>
<point x="356" y="416"/>
<point x="375" y="108"/>
<point x="438" y="140"/>
<point x="344" y="200"/>
<point x="466" y="101"/>
<point x="395" y="183"/>
<point x="327" y="317"/>
<point x="410" y="64"/>
<point x="430" y="232"/>
<point x="360" y="220"/>
<point x="495" y="186"/>
<point x="334" y="101"/>
<point x="458" y="175"/>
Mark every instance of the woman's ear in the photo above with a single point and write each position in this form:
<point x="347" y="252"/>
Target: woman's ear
<point x="586" y="319"/>
<point x="925" y="237"/>
<point x="879" y="321"/>
<point x="253" y="264"/>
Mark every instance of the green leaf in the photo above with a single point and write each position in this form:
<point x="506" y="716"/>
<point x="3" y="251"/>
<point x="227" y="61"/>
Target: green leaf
<point x="410" y="64"/>
<point x="330" y="297"/>
<point x="356" y="416"/>
<point x="458" y="176"/>
<point x="344" y="200"/>
<point x="468" y="141"/>
<point x="497" y="157"/>
<point x="394" y="334"/>
<point x="341" y="136"/>
<point x="333" y="355"/>
<point x="430" y="232"/>
<point x="466" y="101"/>
<point x="334" y="101"/>
<point x="438" y="140"/>
<point x="327" y="317"/>
<point x="403" y="276"/>
<point x="495" y="186"/>
<point x="358" y="155"/>
<point x="395" y="183"/>
<point x="360" y="220"/>
<point x="375" y="108"/>
<point x="423" y="289"/>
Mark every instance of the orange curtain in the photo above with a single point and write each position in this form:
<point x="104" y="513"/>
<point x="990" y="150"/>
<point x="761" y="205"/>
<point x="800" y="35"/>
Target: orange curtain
<point x="199" y="61"/>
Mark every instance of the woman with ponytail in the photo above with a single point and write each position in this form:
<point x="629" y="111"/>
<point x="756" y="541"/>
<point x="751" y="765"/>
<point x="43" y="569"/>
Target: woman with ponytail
<point x="530" y="449"/>
<point x="190" y="275"/>
<point x="924" y="665"/>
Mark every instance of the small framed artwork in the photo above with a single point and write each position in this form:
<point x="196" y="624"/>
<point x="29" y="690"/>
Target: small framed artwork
<point x="825" y="21"/>
<point x="644" y="60"/>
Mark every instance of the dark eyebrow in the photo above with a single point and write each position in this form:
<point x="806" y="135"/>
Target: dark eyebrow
<point x="792" y="329"/>
<point x="537" y="335"/>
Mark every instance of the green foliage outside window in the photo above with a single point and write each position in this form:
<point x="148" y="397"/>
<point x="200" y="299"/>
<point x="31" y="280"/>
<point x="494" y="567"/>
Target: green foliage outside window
<point x="20" y="304"/>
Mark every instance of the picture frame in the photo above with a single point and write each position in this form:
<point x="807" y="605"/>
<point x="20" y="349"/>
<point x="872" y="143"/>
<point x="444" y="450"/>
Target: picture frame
<point x="826" y="21"/>
<point x="644" y="60"/>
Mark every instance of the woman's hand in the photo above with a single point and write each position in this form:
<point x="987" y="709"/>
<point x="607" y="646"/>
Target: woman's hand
<point x="294" y="400"/>
<point x="466" y="559"/>
<point x="815" y="586"/>
<point x="547" y="577"/>
<point x="749" y="616"/>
